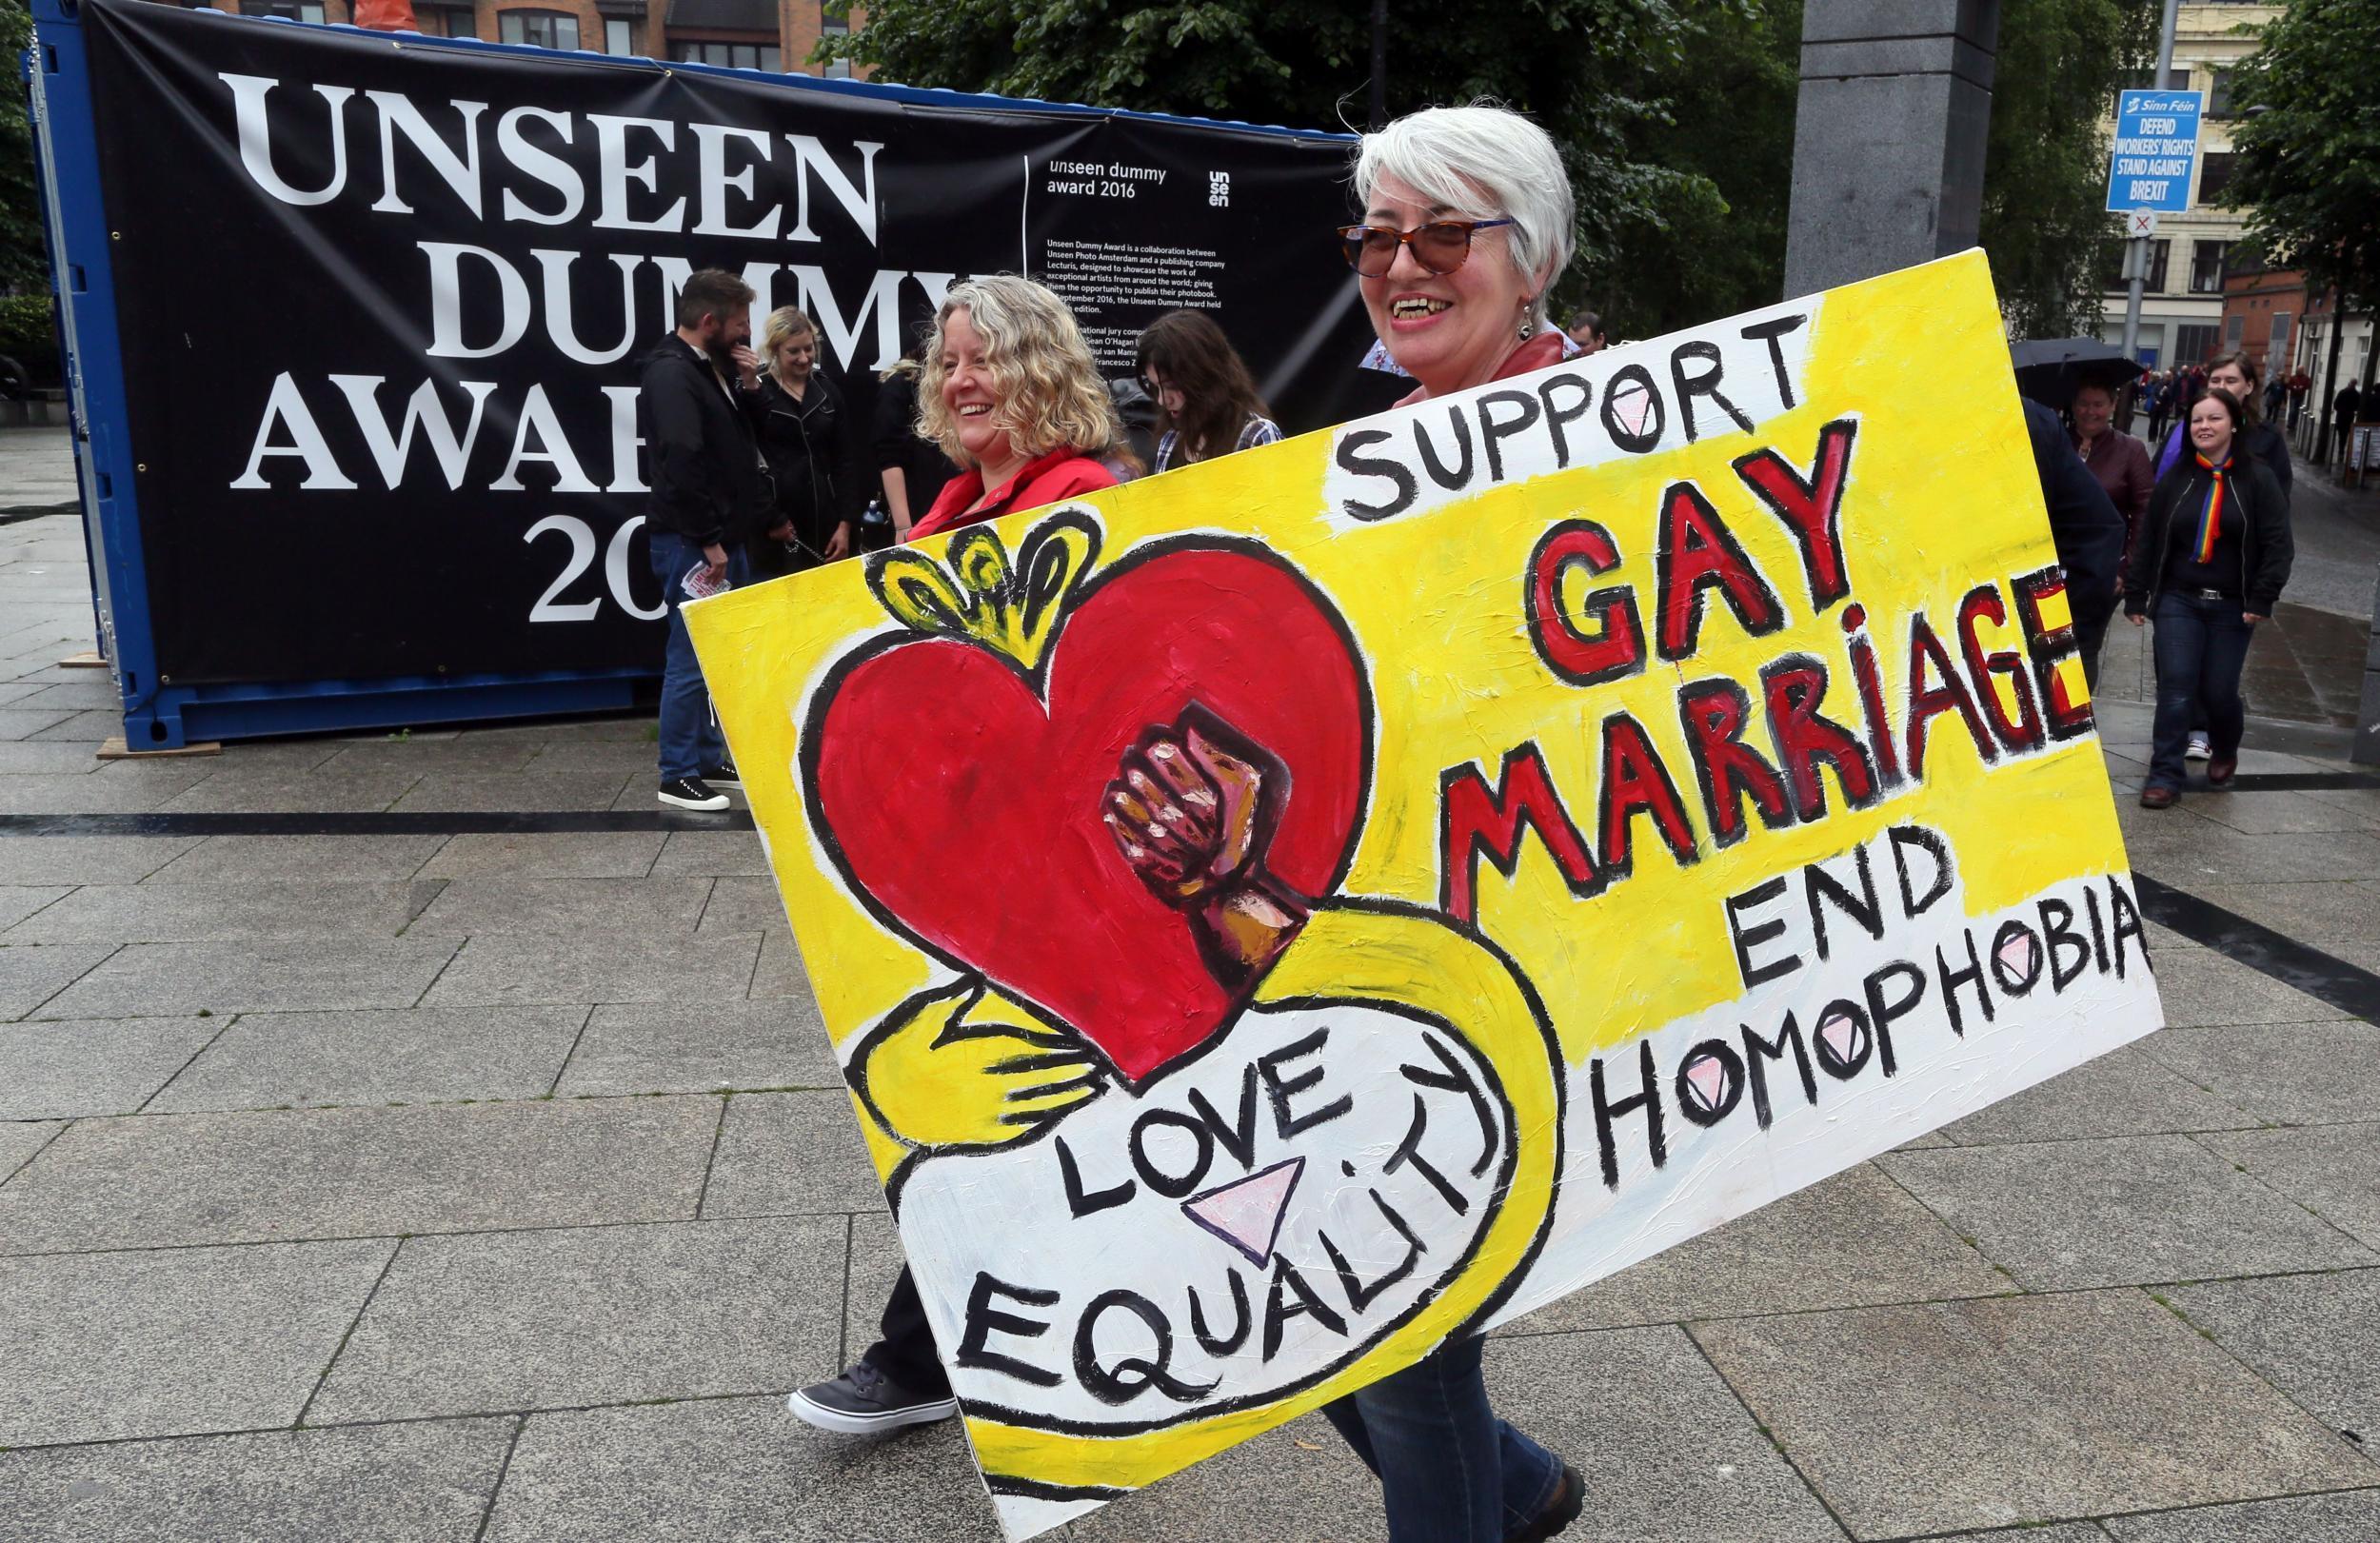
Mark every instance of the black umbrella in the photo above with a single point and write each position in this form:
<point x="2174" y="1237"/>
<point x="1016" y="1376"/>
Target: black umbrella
<point x="2049" y="369"/>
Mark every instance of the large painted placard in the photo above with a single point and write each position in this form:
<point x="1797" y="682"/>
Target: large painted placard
<point x="1279" y="914"/>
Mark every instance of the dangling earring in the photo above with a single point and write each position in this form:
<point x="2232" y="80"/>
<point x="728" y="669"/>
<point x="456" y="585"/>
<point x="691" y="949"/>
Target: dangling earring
<point x="1526" y="328"/>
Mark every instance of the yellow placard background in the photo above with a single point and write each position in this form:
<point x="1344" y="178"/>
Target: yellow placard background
<point x="1943" y="495"/>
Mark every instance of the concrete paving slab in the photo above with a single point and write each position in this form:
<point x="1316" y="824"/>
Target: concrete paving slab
<point x="426" y="1482"/>
<point x="94" y="793"/>
<point x="448" y="790"/>
<point x="164" y="1180"/>
<point x="2204" y="850"/>
<point x="165" y="1343"/>
<point x="2265" y="814"/>
<point x="23" y="723"/>
<point x="1852" y="1241"/>
<point x="203" y="911"/>
<point x="274" y="858"/>
<point x="644" y="1047"/>
<point x="734" y="1468"/>
<point x="2063" y="1215"/>
<point x="1666" y="1446"/>
<point x="267" y="1060"/>
<point x="779" y="973"/>
<point x="612" y="967"/>
<point x="2199" y="986"/>
<point x="2123" y="1093"/>
<point x="86" y="860"/>
<point x="17" y="901"/>
<point x="2333" y="1170"/>
<point x="2353" y="1518"/>
<point x="786" y="1154"/>
<point x="20" y="1140"/>
<point x="32" y="974"/>
<point x="593" y="1315"/>
<point x="60" y="1071"/>
<point x="745" y="904"/>
<point x="624" y="757"/>
<point x="267" y="975"/>
<point x="77" y="695"/>
<point x="636" y="906"/>
<point x="2344" y="908"/>
<point x="719" y="852"/>
<point x="277" y="790"/>
<point x="2288" y="1073"/>
<point x="2317" y="1338"/>
<point x="19" y="756"/>
<point x="1993" y="1413"/>
<point x="547" y="854"/>
<point x="466" y="753"/>
<point x="638" y="729"/>
<point x="2080" y="1532"/>
<point x="1298" y="1480"/>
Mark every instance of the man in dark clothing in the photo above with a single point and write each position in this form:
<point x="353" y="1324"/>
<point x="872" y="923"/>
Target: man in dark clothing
<point x="2345" y="408"/>
<point x="710" y="496"/>
<point x="2083" y="526"/>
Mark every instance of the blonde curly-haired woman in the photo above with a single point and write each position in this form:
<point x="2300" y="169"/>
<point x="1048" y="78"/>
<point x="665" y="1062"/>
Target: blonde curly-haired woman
<point x="1012" y="395"/>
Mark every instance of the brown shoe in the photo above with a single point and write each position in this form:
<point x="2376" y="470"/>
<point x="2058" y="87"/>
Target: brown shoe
<point x="2221" y="770"/>
<point x="2159" y="798"/>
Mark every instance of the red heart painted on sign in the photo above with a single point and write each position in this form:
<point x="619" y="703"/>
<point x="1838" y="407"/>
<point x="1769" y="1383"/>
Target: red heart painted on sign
<point x="966" y="805"/>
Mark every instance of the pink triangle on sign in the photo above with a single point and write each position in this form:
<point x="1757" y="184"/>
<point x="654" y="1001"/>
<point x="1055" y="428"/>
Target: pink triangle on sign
<point x="1633" y="406"/>
<point x="1841" y="1035"/>
<point x="1248" y="1213"/>
<point x="1709" y="1079"/>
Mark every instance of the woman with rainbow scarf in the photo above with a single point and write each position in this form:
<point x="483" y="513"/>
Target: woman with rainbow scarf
<point x="2207" y="564"/>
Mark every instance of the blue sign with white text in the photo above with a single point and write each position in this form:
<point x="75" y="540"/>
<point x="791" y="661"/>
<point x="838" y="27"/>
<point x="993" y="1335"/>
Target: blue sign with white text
<point x="2156" y="140"/>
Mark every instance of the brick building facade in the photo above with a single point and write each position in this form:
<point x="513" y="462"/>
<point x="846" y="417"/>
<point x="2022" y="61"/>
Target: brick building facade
<point x="749" y="34"/>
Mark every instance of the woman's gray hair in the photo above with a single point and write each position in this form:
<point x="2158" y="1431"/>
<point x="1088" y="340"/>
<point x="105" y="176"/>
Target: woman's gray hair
<point x="1483" y="162"/>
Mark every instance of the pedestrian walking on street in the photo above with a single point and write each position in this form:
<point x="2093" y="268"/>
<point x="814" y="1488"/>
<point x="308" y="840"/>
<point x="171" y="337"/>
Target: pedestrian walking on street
<point x="708" y="498"/>
<point x="2346" y="408"/>
<point x="1207" y="401"/>
<point x="2160" y="398"/>
<point x="2210" y="562"/>
<point x="2120" y="465"/>
<point x="811" y="441"/>
<point x="1467" y="222"/>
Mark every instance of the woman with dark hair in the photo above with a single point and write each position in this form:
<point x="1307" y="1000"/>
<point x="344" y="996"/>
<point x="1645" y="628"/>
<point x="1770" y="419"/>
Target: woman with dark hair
<point x="910" y="469"/>
<point x="2208" y="564"/>
<point x="1206" y="402"/>
<point x="2237" y="374"/>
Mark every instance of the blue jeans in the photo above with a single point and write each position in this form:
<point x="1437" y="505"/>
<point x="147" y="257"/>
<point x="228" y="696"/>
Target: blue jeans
<point x="2200" y="646"/>
<point x="690" y="741"/>
<point x="1450" y="1471"/>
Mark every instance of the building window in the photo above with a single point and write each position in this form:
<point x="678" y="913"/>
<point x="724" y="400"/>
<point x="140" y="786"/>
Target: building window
<point x="731" y="55"/>
<point x="2219" y="94"/>
<point x="539" y="28"/>
<point x="295" y="11"/>
<point x="2205" y="267"/>
<point x="2235" y="330"/>
<point x="2276" y="348"/>
<point x="2176" y="79"/>
<point x="2215" y="174"/>
<point x="834" y="20"/>
<point x="2158" y="253"/>
<point x="437" y="21"/>
<point x="619" y="36"/>
<point x="2194" y="343"/>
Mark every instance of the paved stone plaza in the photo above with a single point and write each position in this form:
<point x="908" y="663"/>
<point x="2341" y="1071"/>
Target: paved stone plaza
<point x="456" y="1184"/>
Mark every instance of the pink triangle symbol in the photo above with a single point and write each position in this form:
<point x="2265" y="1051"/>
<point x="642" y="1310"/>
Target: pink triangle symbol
<point x="1633" y="406"/>
<point x="1709" y="1080"/>
<point x="1248" y="1213"/>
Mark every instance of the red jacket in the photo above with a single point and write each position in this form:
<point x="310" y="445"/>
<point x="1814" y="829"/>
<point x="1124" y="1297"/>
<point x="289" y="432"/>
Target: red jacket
<point x="1061" y="474"/>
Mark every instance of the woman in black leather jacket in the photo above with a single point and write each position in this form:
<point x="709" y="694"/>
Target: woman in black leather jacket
<point x="811" y="440"/>
<point x="2209" y="563"/>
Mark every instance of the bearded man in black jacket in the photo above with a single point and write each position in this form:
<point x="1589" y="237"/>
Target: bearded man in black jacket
<point x="709" y="497"/>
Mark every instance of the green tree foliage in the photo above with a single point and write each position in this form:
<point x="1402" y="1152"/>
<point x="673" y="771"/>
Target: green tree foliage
<point x="2308" y="167"/>
<point x="24" y="255"/>
<point x="2045" y="224"/>
<point x="1598" y="75"/>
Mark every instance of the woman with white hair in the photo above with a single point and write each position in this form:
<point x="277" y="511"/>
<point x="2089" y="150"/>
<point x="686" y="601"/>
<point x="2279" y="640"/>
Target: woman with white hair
<point x="1467" y="222"/>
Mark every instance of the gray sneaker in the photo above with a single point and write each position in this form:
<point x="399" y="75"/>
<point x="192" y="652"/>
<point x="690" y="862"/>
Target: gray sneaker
<point x="2199" y="748"/>
<point x="863" y="1400"/>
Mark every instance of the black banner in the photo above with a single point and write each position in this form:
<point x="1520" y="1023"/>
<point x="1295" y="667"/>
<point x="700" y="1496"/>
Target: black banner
<point x="382" y="301"/>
